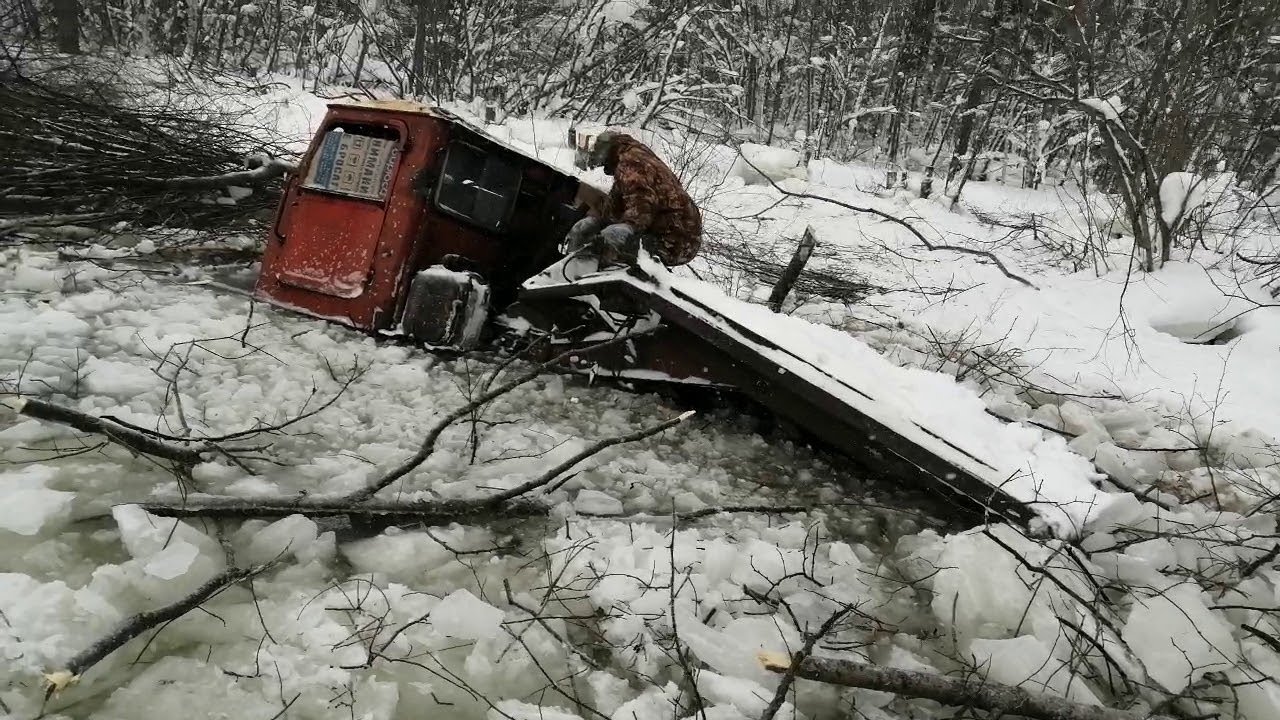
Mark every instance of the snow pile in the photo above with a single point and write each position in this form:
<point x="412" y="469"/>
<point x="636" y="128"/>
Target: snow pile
<point x="1182" y="192"/>
<point x="760" y="164"/>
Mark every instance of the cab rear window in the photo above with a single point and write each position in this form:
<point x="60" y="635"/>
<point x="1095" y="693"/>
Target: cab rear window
<point x="355" y="160"/>
<point x="478" y="186"/>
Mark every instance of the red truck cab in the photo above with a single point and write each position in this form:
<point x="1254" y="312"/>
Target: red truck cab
<point x="388" y="189"/>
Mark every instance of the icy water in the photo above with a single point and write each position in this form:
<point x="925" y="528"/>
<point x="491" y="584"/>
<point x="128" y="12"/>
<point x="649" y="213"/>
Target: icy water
<point x="376" y="626"/>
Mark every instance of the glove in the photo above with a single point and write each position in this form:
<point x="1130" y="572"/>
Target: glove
<point x="581" y="232"/>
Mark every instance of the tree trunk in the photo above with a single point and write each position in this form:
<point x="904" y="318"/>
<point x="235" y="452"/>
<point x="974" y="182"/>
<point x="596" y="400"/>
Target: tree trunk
<point x="66" y="18"/>
<point x="916" y="41"/>
<point x="418" y="81"/>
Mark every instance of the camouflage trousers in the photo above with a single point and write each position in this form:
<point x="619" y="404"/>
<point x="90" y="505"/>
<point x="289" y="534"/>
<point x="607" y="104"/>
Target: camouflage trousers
<point x="620" y="244"/>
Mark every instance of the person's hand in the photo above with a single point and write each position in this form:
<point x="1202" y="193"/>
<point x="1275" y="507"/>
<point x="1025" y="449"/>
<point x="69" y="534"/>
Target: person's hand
<point x="581" y="233"/>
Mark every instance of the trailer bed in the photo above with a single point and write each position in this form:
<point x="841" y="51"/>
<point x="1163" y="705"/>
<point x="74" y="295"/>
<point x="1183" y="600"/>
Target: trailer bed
<point x="905" y="422"/>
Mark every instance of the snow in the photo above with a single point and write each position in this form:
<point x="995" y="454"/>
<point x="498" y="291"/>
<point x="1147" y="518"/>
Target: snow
<point x="760" y="164"/>
<point x="1114" y="359"/>
<point x="1183" y="192"/>
<point x="463" y="615"/>
<point x="1111" y="108"/>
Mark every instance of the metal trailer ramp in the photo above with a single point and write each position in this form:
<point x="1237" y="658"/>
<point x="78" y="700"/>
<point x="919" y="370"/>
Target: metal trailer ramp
<point x="696" y="343"/>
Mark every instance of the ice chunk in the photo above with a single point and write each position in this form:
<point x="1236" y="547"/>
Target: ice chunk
<point x="149" y="538"/>
<point x="746" y="695"/>
<point x="35" y="280"/>
<point x="177" y="687"/>
<point x="733" y="649"/>
<point x="594" y="502"/>
<point x="28" y="505"/>
<point x="516" y="710"/>
<point x="463" y="615"/>
<point x="1257" y="687"/>
<point x="408" y="555"/>
<point x="1027" y="662"/>
<point x="119" y="379"/>
<point x="172" y="561"/>
<point x="983" y="590"/>
<point x="284" y="537"/>
<point x="1178" y="638"/>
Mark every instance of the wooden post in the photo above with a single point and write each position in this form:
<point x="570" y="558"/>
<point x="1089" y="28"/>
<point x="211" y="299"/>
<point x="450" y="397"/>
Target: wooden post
<point x="789" y="276"/>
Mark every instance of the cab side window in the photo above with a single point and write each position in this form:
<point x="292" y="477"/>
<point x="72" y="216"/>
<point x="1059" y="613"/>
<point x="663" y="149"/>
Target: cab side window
<point x="478" y="186"/>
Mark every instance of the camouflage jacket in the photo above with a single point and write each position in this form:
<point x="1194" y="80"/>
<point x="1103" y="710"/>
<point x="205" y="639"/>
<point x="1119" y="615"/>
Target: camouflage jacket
<point x="648" y="196"/>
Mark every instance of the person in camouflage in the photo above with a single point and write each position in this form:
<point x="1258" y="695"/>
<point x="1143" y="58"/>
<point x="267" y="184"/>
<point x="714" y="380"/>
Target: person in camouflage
<point x="647" y="207"/>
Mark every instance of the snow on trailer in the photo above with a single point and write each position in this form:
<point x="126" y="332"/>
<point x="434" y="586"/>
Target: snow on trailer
<point x="905" y="422"/>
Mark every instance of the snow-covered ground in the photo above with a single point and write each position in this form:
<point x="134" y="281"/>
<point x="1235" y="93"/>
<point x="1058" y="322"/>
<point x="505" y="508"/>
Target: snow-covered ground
<point x="579" y="615"/>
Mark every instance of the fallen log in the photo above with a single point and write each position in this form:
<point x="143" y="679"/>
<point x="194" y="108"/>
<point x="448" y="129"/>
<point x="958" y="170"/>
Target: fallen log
<point x="431" y="512"/>
<point x="969" y="691"/>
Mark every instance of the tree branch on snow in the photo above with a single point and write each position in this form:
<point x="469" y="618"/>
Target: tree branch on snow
<point x="428" y="512"/>
<point x="928" y="245"/>
<point x="263" y="170"/>
<point x="376" y="513"/>
<point x="961" y="692"/>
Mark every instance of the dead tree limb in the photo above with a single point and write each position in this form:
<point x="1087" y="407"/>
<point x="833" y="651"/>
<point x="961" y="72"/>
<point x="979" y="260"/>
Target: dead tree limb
<point x="266" y="170"/>
<point x="428" y="445"/>
<point x="430" y="512"/>
<point x="550" y="475"/>
<point x="1003" y="700"/>
<point x="928" y="244"/>
<point x="789" y="675"/>
<point x="373" y="513"/>
<point x="792" y="272"/>
<point x="70" y="672"/>
<point x="185" y="452"/>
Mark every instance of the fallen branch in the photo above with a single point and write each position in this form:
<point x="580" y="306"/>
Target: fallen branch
<point x="270" y="169"/>
<point x="69" y="674"/>
<point x="547" y="477"/>
<point x="419" y="512"/>
<point x="1000" y="699"/>
<point x="185" y="452"/>
<point x="428" y="445"/>
<point x="428" y="512"/>
<point x="897" y="221"/>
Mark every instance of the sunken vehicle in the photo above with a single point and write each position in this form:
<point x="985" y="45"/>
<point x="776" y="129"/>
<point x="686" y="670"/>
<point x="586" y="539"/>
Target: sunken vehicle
<point x="411" y="221"/>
